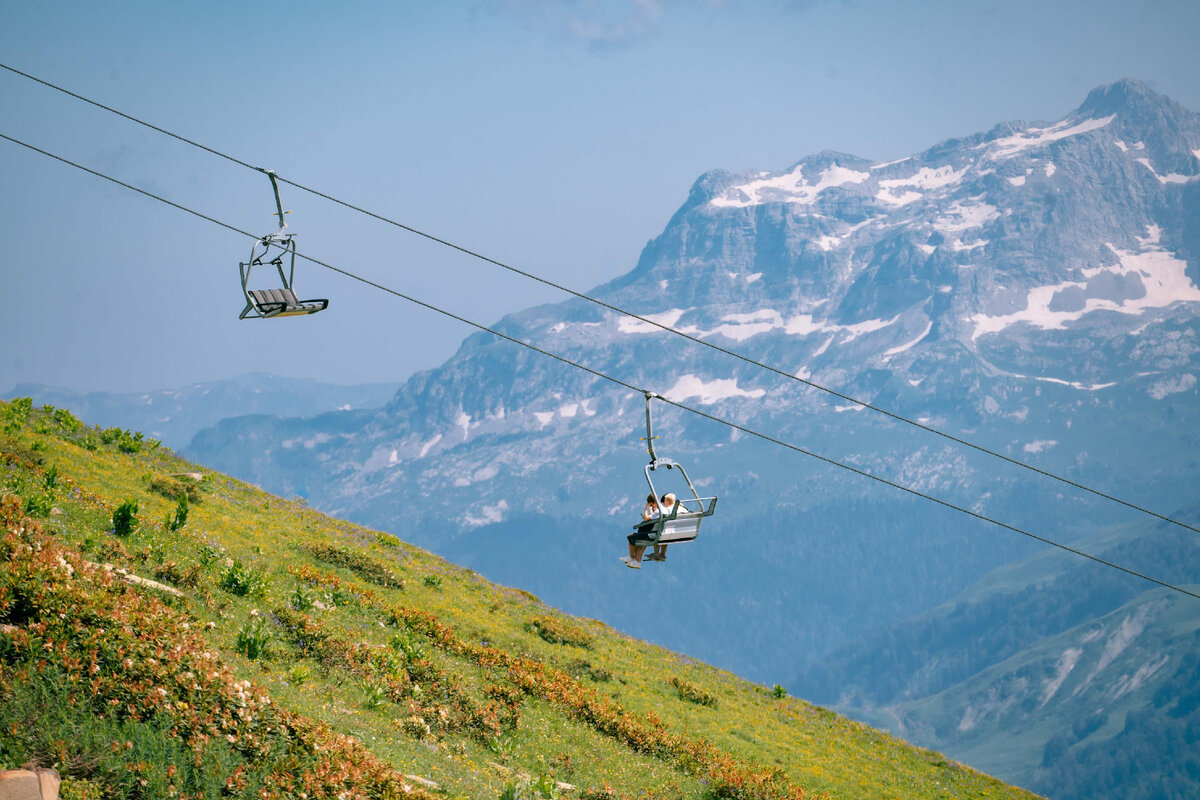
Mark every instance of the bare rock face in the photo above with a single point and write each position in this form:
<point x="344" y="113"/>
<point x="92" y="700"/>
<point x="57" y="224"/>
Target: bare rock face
<point x="27" y="784"/>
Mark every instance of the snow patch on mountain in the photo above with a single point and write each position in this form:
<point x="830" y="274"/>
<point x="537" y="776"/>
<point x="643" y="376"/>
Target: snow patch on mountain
<point x="1086" y="387"/>
<point x="828" y="242"/>
<point x="791" y="187"/>
<point x="1009" y="146"/>
<point x="805" y="325"/>
<point x="425" y="448"/>
<point x="1173" y="177"/>
<point x="707" y="393"/>
<point x="925" y="178"/>
<point x="970" y="213"/>
<point x="667" y="318"/>
<point x="307" y="444"/>
<point x="740" y="327"/>
<point x="1171" y="386"/>
<point x="900" y="348"/>
<point x="488" y="515"/>
<point x="1146" y="279"/>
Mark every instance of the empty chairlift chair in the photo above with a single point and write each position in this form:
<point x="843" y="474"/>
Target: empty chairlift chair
<point x="273" y="250"/>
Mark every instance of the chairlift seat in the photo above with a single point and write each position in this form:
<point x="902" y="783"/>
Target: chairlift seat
<point x="281" y="303"/>
<point x="682" y="524"/>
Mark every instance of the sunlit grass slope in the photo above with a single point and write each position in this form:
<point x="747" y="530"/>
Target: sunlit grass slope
<point x="282" y="653"/>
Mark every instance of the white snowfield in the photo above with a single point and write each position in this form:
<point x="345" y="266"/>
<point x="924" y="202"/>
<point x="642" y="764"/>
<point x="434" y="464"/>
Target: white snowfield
<point x="740" y="327"/>
<point x="791" y="187"/>
<point x="689" y="386"/>
<point x="1162" y="275"/>
<point x="668" y="318"/>
<point x="1164" y="388"/>
<point x="1173" y="177"/>
<point x="898" y="349"/>
<point x="972" y="212"/>
<point x="925" y="178"/>
<point x="488" y="515"/>
<point x="1009" y="146"/>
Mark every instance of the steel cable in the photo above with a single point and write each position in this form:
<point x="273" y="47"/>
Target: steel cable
<point x="617" y="309"/>
<point x="631" y="387"/>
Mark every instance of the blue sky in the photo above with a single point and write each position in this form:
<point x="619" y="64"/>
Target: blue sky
<point x="557" y="136"/>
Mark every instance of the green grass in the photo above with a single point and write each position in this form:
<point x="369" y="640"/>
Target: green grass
<point x="437" y="672"/>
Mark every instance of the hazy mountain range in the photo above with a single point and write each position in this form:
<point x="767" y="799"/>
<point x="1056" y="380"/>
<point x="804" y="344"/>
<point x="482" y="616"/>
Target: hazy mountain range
<point x="174" y="416"/>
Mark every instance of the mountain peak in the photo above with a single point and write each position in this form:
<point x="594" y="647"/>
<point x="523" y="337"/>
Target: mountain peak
<point x="1127" y="94"/>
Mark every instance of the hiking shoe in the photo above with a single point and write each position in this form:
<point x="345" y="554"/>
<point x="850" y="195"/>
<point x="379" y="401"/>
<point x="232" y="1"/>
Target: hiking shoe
<point x="656" y="557"/>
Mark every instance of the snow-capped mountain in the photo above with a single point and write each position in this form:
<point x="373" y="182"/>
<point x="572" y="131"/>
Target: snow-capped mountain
<point x="1032" y="288"/>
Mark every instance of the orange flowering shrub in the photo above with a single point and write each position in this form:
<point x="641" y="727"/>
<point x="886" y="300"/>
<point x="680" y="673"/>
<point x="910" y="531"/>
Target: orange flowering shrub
<point x="432" y="700"/>
<point x="83" y="657"/>
<point x="726" y="777"/>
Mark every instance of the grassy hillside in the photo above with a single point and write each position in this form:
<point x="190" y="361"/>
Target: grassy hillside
<point x="282" y="653"/>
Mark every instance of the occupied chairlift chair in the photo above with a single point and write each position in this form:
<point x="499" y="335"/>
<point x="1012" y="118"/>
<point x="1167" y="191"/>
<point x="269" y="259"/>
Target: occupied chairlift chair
<point x="683" y="523"/>
<point x="272" y="250"/>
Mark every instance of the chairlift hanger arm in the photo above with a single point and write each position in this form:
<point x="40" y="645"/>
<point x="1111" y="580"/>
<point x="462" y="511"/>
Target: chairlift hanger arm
<point x="270" y="173"/>
<point x="650" y="428"/>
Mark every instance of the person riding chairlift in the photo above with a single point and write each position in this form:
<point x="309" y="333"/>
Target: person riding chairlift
<point x="651" y="512"/>
<point x="668" y="505"/>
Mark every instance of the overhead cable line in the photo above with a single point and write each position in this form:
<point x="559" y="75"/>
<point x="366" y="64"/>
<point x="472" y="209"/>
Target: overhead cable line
<point x="617" y="309"/>
<point x="624" y="384"/>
